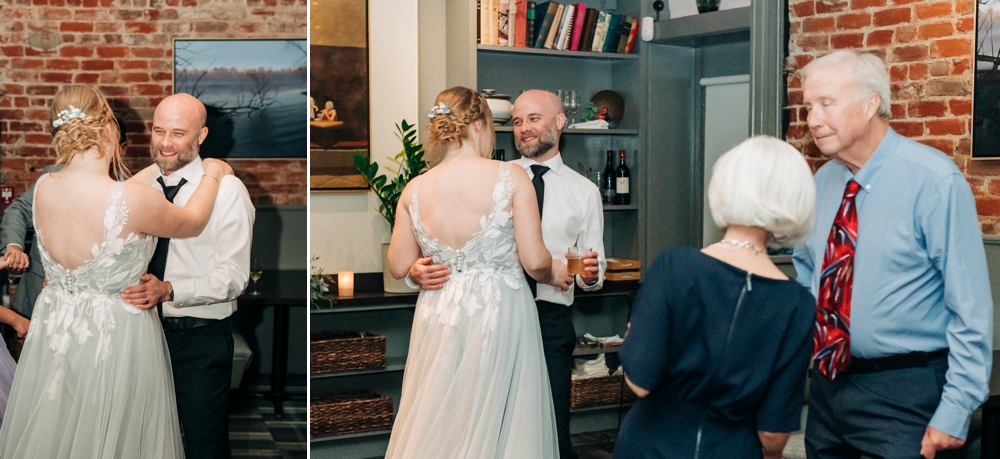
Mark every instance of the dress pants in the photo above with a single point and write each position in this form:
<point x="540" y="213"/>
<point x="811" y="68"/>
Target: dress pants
<point x="202" y="360"/>
<point x="558" y="341"/>
<point x="874" y="415"/>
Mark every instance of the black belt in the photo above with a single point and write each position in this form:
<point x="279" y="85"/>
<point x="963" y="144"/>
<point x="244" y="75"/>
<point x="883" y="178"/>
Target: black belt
<point x="895" y="362"/>
<point x="184" y="323"/>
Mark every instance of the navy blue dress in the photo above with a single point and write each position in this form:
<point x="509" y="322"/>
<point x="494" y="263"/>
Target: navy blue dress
<point x="713" y="363"/>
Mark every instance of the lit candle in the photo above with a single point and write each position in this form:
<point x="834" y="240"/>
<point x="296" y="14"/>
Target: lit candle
<point x="345" y="283"/>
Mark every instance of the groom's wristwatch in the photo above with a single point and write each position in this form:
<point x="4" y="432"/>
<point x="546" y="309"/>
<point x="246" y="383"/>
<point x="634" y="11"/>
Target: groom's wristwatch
<point x="171" y="298"/>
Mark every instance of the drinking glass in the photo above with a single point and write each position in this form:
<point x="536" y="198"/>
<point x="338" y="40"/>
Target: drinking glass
<point x="574" y="259"/>
<point x="571" y="105"/>
<point x="256" y="269"/>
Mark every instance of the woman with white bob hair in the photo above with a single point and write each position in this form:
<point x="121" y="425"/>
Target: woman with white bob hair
<point x="720" y="338"/>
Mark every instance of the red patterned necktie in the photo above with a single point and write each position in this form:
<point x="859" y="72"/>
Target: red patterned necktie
<point x="832" y="337"/>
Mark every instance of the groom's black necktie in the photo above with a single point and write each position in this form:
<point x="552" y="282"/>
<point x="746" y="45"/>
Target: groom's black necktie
<point x="538" y="171"/>
<point x="158" y="264"/>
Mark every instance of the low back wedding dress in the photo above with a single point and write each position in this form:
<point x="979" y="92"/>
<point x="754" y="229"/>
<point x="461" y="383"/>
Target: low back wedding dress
<point x="94" y="379"/>
<point x="475" y="384"/>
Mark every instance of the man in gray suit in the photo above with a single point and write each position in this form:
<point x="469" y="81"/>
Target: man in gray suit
<point x="17" y="220"/>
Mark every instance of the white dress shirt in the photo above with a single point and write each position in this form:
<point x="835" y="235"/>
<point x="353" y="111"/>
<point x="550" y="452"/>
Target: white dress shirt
<point x="210" y="270"/>
<point x="572" y="216"/>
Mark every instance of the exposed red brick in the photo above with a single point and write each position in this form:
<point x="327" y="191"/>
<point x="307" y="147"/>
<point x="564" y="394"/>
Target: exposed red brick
<point x="97" y="64"/>
<point x="53" y="77"/>
<point x="966" y="24"/>
<point x="925" y="109"/>
<point x="820" y="24"/>
<point x="853" y="21"/>
<point x="961" y="66"/>
<point x="934" y="10"/>
<point x="831" y="6"/>
<point x="76" y="51"/>
<point x="140" y="27"/>
<point x="62" y="64"/>
<point x="946" y="127"/>
<point x="803" y="9"/>
<point x="951" y="47"/>
<point x="891" y="16"/>
<point x="862" y="4"/>
<point x="918" y="71"/>
<point x="86" y="78"/>
<point x="909" y="53"/>
<point x="906" y="33"/>
<point x="908" y="128"/>
<point x="935" y="30"/>
<point x="76" y="27"/>
<point x="134" y="77"/>
<point x="112" y="51"/>
<point x="960" y="107"/>
<point x="847" y="40"/>
<point x="898" y="110"/>
<point x="814" y="42"/>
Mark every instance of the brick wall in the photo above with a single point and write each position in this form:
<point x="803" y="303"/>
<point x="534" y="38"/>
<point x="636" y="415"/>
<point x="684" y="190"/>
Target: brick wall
<point x="124" y="48"/>
<point x="928" y="46"/>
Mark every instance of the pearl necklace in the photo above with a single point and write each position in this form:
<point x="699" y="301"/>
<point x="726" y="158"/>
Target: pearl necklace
<point x="737" y="245"/>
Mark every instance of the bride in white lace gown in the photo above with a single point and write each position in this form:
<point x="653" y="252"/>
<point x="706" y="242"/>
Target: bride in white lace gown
<point x="94" y="377"/>
<point x="475" y="384"/>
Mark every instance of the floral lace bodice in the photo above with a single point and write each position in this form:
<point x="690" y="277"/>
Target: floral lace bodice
<point x="486" y="261"/>
<point x="78" y="307"/>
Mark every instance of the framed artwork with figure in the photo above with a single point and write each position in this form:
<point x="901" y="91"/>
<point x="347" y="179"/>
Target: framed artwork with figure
<point x="254" y="92"/>
<point x="986" y="103"/>
<point x="339" y="122"/>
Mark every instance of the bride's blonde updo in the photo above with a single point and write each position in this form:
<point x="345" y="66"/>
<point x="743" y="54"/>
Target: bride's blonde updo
<point x="88" y="124"/>
<point x="463" y="106"/>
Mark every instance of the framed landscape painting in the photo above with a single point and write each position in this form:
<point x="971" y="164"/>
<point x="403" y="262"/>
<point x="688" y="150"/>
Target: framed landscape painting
<point x="986" y="112"/>
<point x="339" y="117"/>
<point x="254" y="91"/>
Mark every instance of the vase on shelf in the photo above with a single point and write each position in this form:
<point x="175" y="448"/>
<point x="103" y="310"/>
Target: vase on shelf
<point x="391" y="284"/>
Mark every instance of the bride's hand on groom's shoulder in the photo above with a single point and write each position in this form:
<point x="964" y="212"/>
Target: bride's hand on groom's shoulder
<point x="146" y="176"/>
<point x="216" y="168"/>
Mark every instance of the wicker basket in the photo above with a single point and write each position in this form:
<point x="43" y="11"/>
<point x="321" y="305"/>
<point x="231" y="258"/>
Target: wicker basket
<point x="349" y="412"/>
<point x="602" y="390"/>
<point x="346" y="351"/>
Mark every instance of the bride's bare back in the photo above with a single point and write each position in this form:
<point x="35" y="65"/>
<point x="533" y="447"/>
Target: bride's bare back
<point x="454" y="197"/>
<point x="70" y="209"/>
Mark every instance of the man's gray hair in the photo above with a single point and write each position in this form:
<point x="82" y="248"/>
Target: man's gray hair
<point x="870" y="75"/>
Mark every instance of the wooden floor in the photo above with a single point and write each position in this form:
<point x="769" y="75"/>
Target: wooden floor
<point x="254" y="433"/>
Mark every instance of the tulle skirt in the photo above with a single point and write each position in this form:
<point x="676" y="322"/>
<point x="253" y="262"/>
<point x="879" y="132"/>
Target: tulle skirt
<point x="93" y="382"/>
<point x="475" y="384"/>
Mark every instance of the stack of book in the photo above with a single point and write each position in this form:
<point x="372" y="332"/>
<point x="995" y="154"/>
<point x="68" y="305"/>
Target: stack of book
<point x="551" y="25"/>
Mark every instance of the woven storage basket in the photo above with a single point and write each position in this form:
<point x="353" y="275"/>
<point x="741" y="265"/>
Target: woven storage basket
<point x="602" y="390"/>
<point x="346" y="351"/>
<point x="349" y="412"/>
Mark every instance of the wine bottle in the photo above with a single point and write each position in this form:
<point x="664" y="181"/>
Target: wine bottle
<point x="608" y="182"/>
<point x="621" y="180"/>
<point x="500" y="154"/>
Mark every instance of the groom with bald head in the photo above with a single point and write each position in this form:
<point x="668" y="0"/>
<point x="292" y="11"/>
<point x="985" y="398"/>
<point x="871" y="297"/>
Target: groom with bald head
<point x="194" y="282"/>
<point x="572" y="216"/>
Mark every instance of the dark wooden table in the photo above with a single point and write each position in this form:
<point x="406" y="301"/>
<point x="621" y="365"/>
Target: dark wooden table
<point x="281" y="289"/>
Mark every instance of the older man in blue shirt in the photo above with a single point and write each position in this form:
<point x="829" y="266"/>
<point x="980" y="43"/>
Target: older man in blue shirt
<point x="896" y="260"/>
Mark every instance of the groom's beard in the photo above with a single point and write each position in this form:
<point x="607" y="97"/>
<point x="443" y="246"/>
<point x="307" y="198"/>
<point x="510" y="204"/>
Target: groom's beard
<point x="545" y="141"/>
<point x="184" y="156"/>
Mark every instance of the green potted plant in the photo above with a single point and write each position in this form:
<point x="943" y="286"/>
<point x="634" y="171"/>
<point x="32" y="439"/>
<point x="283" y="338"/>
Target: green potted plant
<point x="409" y="164"/>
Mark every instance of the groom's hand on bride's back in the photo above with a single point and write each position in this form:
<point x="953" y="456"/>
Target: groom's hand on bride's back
<point x="428" y="276"/>
<point x="148" y="293"/>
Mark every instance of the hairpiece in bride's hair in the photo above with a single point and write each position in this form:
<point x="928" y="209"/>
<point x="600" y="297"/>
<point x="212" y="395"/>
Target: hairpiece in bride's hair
<point x="439" y="109"/>
<point x="66" y="115"/>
